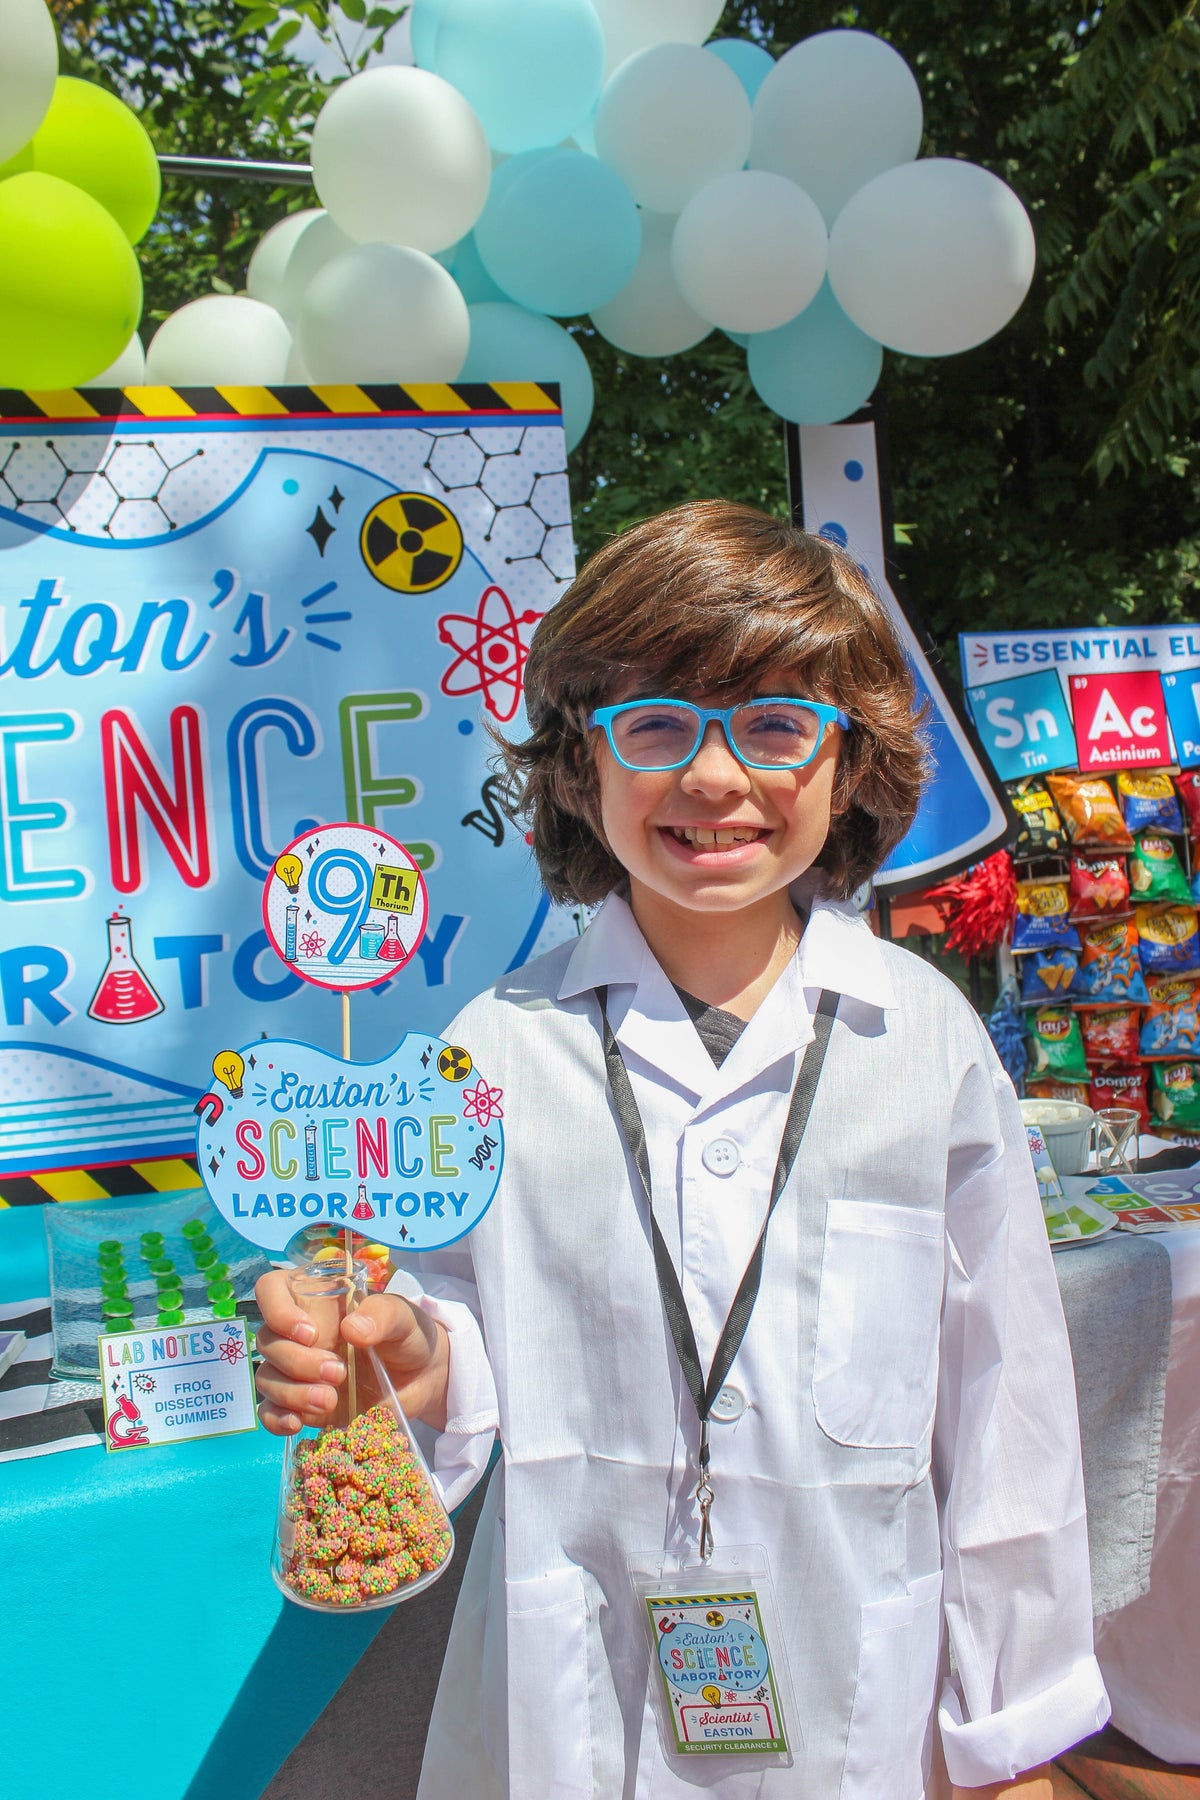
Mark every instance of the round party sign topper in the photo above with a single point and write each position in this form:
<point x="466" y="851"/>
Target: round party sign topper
<point x="345" y="906"/>
<point x="407" y="1150"/>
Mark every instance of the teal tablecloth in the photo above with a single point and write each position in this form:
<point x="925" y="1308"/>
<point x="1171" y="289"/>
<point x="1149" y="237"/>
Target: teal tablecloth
<point x="147" y="1654"/>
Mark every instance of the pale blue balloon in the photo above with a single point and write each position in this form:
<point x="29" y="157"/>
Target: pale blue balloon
<point x="510" y="344"/>
<point x="749" y="62"/>
<point x="467" y="268"/>
<point x="818" y="368"/>
<point x="532" y="69"/>
<point x="424" y="17"/>
<point x="560" y="232"/>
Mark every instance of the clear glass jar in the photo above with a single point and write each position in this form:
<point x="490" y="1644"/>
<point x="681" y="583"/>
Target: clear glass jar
<point x="360" y="1523"/>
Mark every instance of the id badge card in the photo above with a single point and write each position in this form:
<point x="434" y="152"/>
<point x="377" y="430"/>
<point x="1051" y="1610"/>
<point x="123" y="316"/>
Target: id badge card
<point x="718" y="1673"/>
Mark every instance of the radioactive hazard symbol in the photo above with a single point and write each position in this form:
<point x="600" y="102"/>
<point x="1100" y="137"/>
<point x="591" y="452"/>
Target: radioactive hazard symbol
<point x="410" y="543"/>
<point x="454" y="1063"/>
<point x="715" y="1618"/>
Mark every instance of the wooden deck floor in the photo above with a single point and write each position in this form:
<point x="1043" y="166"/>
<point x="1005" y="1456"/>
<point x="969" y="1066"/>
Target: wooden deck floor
<point x="1109" y="1767"/>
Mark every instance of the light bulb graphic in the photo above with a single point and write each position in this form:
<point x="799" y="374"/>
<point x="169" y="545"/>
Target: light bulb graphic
<point x="712" y="1695"/>
<point x="289" y="870"/>
<point x="229" y="1068"/>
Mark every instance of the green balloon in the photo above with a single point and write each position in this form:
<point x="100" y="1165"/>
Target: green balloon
<point x="93" y="140"/>
<point x="70" y="286"/>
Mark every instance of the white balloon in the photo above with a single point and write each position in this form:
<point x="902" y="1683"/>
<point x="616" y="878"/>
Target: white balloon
<point x="632" y="25"/>
<point x="933" y="257"/>
<point x="288" y="257"/>
<point x="650" y="317"/>
<point x="222" y="340"/>
<point x="835" y="111"/>
<point x="749" y="251"/>
<point x="382" y="312"/>
<point x="400" y="158"/>
<point x="669" y="120"/>
<point x="28" y="71"/>
<point x="295" y="370"/>
<point x="129" y="369"/>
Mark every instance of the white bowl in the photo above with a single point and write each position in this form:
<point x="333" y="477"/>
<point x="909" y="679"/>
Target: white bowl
<point x="1067" y="1129"/>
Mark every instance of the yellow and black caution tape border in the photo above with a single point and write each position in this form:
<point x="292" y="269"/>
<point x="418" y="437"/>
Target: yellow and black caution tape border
<point x="367" y="400"/>
<point x="115" y="1181"/>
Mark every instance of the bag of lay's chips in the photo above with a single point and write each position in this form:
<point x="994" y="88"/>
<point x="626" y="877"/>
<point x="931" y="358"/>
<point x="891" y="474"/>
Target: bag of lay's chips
<point x="1175" y="1094"/>
<point x="1188" y="785"/>
<point x="1120" y="1087"/>
<point x="1041" y="832"/>
<point x="1148" y="801"/>
<point x="1168" y="939"/>
<point x="1110" y="1037"/>
<point x="1110" y="973"/>
<point x="1048" y="975"/>
<point x="1089" y="812"/>
<point x="1171" y="1026"/>
<point x="1099" y="887"/>
<point x="1155" y="871"/>
<point x="1055" y="1045"/>
<point x="1042" y="922"/>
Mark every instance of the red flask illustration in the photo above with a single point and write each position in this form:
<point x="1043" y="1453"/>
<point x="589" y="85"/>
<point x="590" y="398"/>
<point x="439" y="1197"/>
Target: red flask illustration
<point x="392" y="948"/>
<point x="124" y="995"/>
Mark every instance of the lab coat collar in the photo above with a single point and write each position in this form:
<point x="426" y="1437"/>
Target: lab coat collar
<point x="837" y="951"/>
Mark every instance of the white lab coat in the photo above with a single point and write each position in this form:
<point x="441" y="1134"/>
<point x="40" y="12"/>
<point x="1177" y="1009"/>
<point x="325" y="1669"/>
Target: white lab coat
<point x="901" y="1428"/>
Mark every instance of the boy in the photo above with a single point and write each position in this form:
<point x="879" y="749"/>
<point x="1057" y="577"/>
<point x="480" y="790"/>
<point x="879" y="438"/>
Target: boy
<point x="723" y="748"/>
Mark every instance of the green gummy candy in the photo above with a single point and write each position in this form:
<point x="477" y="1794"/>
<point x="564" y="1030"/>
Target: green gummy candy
<point x="106" y="1246"/>
<point x="206" y="1258"/>
<point x="162" y="1265"/>
<point x="220" y="1290"/>
<point x="117" y="1309"/>
<point x="194" y="1228"/>
<point x="174" y="1317"/>
<point x="224" y="1309"/>
<point x="216" y="1272"/>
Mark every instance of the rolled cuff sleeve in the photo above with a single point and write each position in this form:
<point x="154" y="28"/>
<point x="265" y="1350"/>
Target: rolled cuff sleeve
<point x="1022" y="1736"/>
<point x="463" y="1449"/>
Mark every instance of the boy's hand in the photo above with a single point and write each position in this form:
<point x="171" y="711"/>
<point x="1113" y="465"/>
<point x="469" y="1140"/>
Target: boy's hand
<point x="1035" y="1784"/>
<point x="299" y="1380"/>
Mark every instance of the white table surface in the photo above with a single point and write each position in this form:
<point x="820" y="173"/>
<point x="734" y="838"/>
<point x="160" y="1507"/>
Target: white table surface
<point x="1149" y="1651"/>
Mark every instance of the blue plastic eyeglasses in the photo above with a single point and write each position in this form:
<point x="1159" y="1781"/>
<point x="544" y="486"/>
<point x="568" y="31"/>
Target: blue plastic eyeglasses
<point x="781" y="733"/>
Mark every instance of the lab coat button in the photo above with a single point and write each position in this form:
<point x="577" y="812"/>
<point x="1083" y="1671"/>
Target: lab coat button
<point x="721" y="1157"/>
<point x="729" y="1405"/>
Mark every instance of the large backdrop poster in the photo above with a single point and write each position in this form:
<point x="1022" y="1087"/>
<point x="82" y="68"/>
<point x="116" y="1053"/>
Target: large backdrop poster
<point x="229" y="617"/>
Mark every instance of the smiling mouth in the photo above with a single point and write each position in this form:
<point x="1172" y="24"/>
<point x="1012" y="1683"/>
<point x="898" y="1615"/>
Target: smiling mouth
<point x="705" y="837"/>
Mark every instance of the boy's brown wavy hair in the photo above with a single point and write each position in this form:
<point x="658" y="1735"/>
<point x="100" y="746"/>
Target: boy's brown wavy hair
<point x="707" y="599"/>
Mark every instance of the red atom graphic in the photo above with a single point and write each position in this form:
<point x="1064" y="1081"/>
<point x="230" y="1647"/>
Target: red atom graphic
<point x="482" y="1103"/>
<point x="491" y="653"/>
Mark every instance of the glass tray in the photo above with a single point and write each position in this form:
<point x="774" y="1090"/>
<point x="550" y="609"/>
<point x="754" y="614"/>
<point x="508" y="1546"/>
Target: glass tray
<point x="74" y="1231"/>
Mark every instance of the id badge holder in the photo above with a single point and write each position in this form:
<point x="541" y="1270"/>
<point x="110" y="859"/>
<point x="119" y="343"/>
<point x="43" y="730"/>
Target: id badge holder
<point x="719" y="1679"/>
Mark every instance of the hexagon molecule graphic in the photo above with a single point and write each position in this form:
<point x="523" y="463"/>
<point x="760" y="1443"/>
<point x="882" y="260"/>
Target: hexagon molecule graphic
<point x="101" y="485"/>
<point x="508" y="486"/>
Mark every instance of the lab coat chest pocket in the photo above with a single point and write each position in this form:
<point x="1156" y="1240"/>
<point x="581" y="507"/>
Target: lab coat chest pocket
<point x="875" y="1358"/>
<point x="889" y="1737"/>
<point x="549" y="1731"/>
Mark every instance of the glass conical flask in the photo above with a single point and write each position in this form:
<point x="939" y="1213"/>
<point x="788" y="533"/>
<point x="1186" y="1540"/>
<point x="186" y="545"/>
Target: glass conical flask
<point x="392" y="948"/>
<point x="360" y="1522"/>
<point x="123" y="994"/>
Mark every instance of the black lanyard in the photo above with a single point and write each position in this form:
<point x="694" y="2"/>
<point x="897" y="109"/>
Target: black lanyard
<point x="674" y="1305"/>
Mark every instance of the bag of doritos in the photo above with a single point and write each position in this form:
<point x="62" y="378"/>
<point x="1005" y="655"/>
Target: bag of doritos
<point x="1042" y="922"/>
<point x="1119" y="1087"/>
<point x="1047" y="976"/>
<point x="1168" y="939"/>
<point x="1171" y="1026"/>
<point x="1041" y="832"/>
<point x="1109" y="971"/>
<point x="1148" y="801"/>
<point x="1089" y="812"/>
<point x="1155" y="871"/>
<point x="1099" y="887"/>
<point x="1055" y="1045"/>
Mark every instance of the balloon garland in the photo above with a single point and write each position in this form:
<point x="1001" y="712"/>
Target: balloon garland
<point x="542" y="160"/>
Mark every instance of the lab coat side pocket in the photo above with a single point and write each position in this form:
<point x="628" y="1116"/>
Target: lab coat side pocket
<point x="874" y="1379"/>
<point x="888" y="1740"/>
<point x="549" y="1727"/>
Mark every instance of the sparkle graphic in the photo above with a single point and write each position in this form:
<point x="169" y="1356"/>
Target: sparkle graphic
<point x="492" y="648"/>
<point x="482" y="1103"/>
